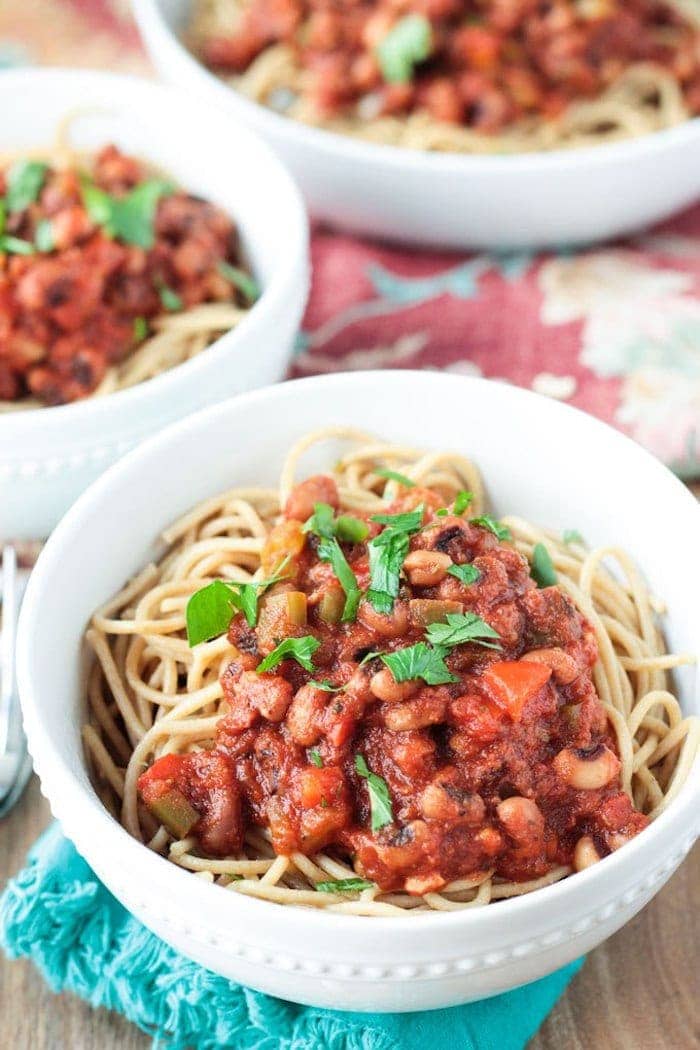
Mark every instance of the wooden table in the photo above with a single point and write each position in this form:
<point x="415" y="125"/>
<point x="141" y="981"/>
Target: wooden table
<point x="638" y="991"/>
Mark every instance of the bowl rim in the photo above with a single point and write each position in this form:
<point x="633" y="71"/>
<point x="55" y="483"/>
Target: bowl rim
<point x="283" y="283"/>
<point x="153" y="27"/>
<point x="78" y="808"/>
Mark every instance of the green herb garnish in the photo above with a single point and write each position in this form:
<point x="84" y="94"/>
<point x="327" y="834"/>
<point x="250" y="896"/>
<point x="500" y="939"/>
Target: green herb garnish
<point x="407" y="44"/>
<point x="171" y="300"/>
<point x="346" y="527"/>
<point x="315" y="757"/>
<point x="329" y="550"/>
<point x="466" y="574"/>
<point x="140" y="329"/>
<point x="210" y="610"/>
<point x="128" y="218"/>
<point x="419" y="661"/>
<point x="299" y="649"/>
<point x="241" y="280"/>
<point x="462" y="501"/>
<point x="542" y="570"/>
<point x="387" y="552"/>
<point x="24" y="182"/>
<point x="393" y="475"/>
<point x="502" y="532"/>
<point x="343" y="885"/>
<point x="461" y="628"/>
<point x="43" y="236"/>
<point x="379" y="797"/>
<point x="15" y="245"/>
<point x="325" y="686"/>
<point x="572" y="536"/>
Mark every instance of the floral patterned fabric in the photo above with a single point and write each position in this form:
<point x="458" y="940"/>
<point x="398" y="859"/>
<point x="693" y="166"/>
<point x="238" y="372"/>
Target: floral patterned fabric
<point x="613" y="330"/>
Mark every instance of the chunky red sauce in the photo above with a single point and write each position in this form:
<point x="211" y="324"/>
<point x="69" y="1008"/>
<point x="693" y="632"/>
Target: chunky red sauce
<point x="489" y="64"/>
<point x="505" y="769"/>
<point x="77" y="297"/>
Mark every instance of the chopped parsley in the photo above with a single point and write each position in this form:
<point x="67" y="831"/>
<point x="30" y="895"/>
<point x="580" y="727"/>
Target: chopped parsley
<point x="325" y="686"/>
<point x="572" y="536"/>
<point x="466" y="574"/>
<point x="24" y="182"/>
<point x="420" y="661"/>
<point x="542" y="570"/>
<point x="462" y="500"/>
<point x="387" y="552"/>
<point x="210" y="610"/>
<point x="315" y="757"/>
<point x="409" y="42"/>
<point x="241" y="280"/>
<point x="460" y="629"/>
<point x="502" y="532"/>
<point x="299" y="649"/>
<point x="43" y="236"/>
<point x="140" y="329"/>
<point x="329" y="550"/>
<point x="171" y="300"/>
<point x="379" y="797"/>
<point x="344" y="885"/>
<point x="394" y="475"/>
<point x="346" y="528"/>
<point x="128" y="218"/>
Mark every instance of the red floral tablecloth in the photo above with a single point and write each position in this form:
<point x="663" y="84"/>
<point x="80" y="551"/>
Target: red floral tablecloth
<point x="613" y="330"/>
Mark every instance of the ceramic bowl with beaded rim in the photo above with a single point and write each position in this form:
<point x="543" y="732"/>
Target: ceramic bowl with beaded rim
<point x="49" y="455"/>
<point x="450" y="200"/>
<point x="322" y="958"/>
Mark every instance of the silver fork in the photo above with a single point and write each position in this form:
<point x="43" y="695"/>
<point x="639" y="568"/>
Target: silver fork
<point x="15" y="763"/>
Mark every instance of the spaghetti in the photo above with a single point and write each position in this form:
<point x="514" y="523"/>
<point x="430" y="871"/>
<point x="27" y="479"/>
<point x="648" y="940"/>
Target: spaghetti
<point x="150" y="695"/>
<point x="572" y="75"/>
<point x="109" y="276"/>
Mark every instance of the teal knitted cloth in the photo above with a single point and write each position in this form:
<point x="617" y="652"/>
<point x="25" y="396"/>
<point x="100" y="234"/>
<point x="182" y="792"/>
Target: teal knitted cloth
<point x="58" y="914"/>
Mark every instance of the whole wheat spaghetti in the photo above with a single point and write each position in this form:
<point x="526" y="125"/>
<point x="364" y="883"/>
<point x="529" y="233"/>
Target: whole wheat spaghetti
<point x="150" y="695"/>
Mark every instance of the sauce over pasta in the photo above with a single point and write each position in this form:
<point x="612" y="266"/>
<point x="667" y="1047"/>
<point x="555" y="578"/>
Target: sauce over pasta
<point x="90" y="263"/>
<point x="404" y="694"/>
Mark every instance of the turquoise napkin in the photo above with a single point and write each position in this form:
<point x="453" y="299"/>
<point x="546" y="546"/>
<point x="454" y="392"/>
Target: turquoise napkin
<point x="58" y="914"/>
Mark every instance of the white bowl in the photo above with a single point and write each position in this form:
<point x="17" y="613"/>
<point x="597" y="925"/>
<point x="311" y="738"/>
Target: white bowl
<point x="540" y="459"/>
<point x="458" y="201"/>
<point x="49" y="455"/>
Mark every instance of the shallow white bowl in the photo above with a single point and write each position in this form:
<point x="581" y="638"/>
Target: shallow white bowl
<point x="49" y="455"/>
<point x="563" y="197"/>
<point x="540" y="459"/>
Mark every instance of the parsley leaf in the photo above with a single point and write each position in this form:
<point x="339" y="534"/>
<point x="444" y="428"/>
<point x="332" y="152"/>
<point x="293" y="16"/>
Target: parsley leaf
<point x="299" y="649"/>
<point x="419" y="661"/>
<point x="321" y="521"/>
<point x="315" y="757"/>
<point x="241" y="280"/>
<point x="379" y="797"/>
<point x="128" y="218"/>
<point x="393" y="475"/>
<point x="171" y="300"/>
<point x="346" y="527"/>
<point x="343" y="885"/>
<point x="15" y="245"/>
<point x="140" y="329"/>
<point x="387" y="552"/>
<point x="462" y="501"/>
<point x="460" y="629"/>
<point x="466" y="574"/>
<point x="542" y="570"/>
<point x="350" y="529"/>
<point x="24" y="182"/>
<point x="502" y="532"/>
<point x="407" y="44"/>
<point x="43" y="236"/>
<point x="209" y="612"/>
<point x="329" y="550"/>
<point x="326" y="687"/>
<point x="572" y="536"/>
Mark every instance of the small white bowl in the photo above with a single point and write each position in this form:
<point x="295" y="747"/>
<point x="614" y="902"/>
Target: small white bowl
<point x="451" y="200"/>
<point x="540" y="459"/>
<point x="49" y="455"/>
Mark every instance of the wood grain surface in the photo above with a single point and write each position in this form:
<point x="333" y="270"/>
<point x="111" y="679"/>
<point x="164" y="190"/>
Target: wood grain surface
<point x="638" y="991"/>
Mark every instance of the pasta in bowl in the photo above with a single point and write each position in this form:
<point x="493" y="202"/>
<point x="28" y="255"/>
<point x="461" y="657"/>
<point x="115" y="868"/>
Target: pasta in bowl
<point x="523" y="729"/>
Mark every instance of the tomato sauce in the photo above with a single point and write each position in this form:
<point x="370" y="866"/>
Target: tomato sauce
<point x="76" y="297"/>
<point x="488" y="65"/>
<point x="506" y="767"/>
